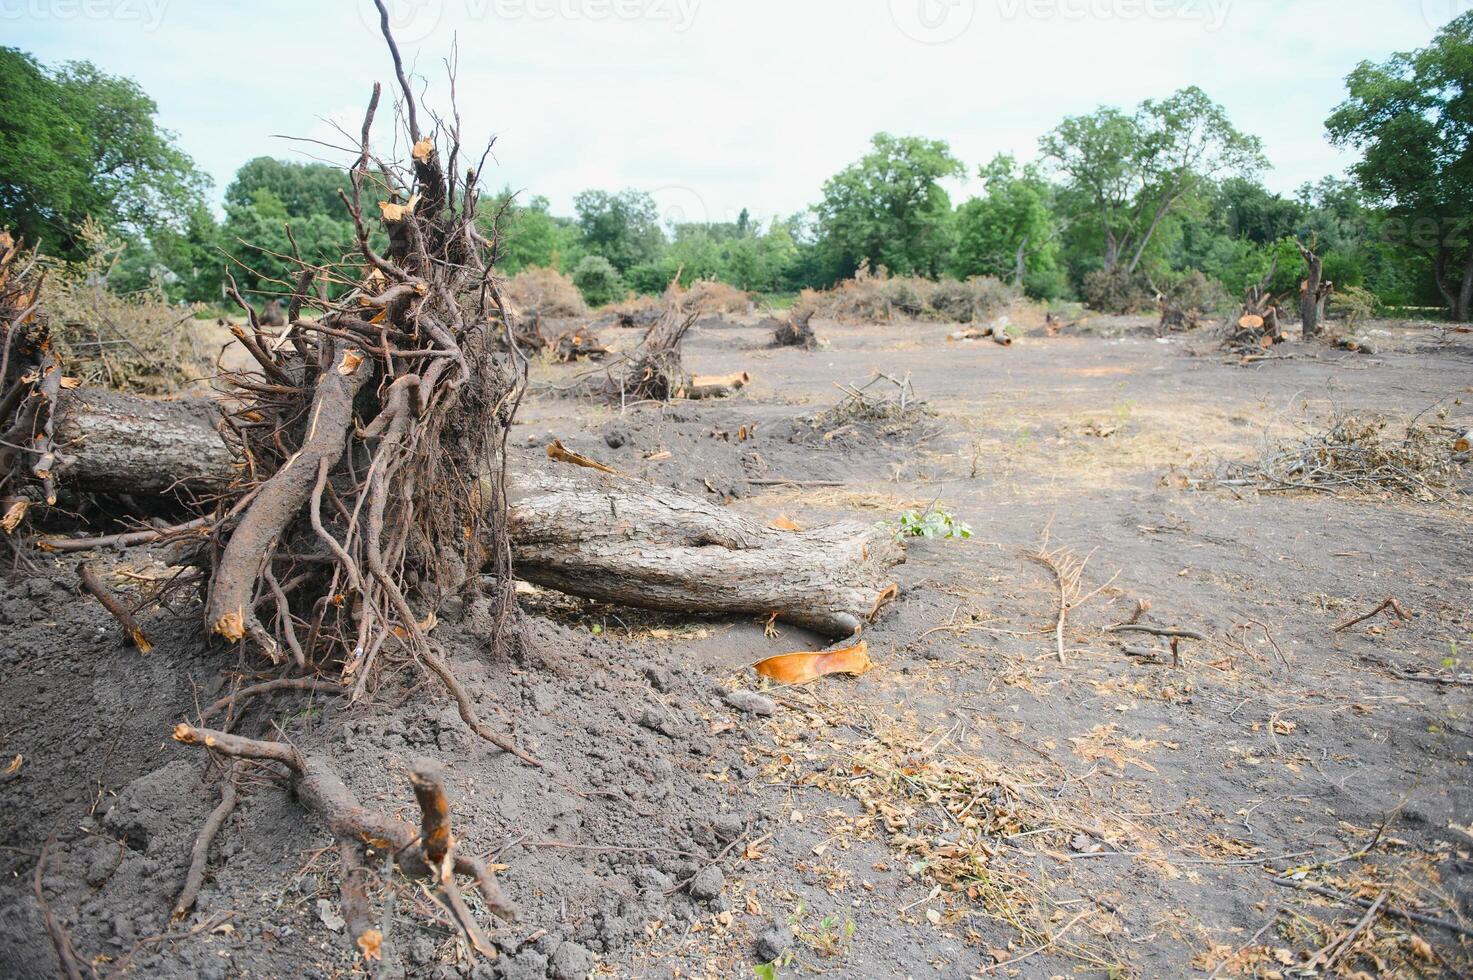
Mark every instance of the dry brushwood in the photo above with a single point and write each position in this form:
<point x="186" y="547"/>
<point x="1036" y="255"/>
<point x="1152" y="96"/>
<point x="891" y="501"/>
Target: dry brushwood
<point x="429" y="853"/>
<point x="1068" y="571"/>
<point x="1353" y="454"/>
<point x="883" y="407"/>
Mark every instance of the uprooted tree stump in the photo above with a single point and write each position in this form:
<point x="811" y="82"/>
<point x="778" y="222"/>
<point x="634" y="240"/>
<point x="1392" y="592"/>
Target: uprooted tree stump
<point x="796" y="331"/>
<point x="654" y="370"/>
<point x="575" y="345"/>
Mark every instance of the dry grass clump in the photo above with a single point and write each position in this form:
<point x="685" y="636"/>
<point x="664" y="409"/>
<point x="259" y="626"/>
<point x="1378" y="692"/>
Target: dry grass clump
<point x="545" y="293"/>
<point x="710" y="296"/>
<point x="137" y="342"/>
<point x="878" y="297"/>
<point x="1356" y="454"/>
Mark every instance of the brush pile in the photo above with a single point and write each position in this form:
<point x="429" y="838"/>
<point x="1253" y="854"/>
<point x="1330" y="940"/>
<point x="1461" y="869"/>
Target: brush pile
<point x="1357" y="454"/>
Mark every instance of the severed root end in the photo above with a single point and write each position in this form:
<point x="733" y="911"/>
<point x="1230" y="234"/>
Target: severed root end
<point x="429" y="853"/>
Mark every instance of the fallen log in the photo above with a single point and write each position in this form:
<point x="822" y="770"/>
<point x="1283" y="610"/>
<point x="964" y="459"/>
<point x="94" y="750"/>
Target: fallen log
<point x="717" y="385"/>
<point x="618" y="540"/>
<point x="115" y="443"/>
<point x="596" y="535"/>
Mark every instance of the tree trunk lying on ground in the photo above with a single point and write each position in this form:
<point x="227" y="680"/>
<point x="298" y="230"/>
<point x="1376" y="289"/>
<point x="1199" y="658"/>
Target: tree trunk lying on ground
<point x="595" y="535"/>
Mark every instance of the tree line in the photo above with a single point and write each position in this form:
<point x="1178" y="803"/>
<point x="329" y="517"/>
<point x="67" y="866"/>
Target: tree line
<point x="1119" y="203"/>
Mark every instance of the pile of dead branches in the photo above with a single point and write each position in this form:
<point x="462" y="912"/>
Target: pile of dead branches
<point x="883" y="408"/>
<point x="1356" y="454"/>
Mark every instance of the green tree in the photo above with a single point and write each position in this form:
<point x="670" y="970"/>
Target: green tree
<point x="890" y="209"/>
<point x="1129" y="174"/>
<point x="302" y="188"/>
<point x="623" y="228"/>
<point x="530" y="236"/>
<point x="255" y="237"/>
<point x="1012" y="231"/>
<point x="598" y="280"/>
<point x="1412" y="119"/>
<point x="80" y="143"/>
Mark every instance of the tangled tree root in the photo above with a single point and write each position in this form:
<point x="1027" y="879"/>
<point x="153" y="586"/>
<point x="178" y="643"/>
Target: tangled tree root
<point x="654" y="371"/>
<point x="429" y="853"/>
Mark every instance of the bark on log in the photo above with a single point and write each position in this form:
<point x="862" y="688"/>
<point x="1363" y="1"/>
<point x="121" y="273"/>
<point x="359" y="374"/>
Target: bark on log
<point x="600" y="536"/>
<point x="625" y="541"/>
<point x="115" y="443"/>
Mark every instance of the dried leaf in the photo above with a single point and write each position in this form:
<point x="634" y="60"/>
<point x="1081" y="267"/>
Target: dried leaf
<point x="800" y="668"/>
<point x="15" y="765"/>
<point x="784" y="523"/>
<point x="371" y="943"/>
<point x="556" y="450"/>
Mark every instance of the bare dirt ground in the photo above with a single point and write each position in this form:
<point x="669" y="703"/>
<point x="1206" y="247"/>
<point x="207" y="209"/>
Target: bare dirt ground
<point x="975" y="806"/>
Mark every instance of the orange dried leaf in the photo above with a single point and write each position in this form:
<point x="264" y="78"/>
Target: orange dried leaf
<point x="371" y="943"/>
<point x="784" y="523"/>
<point x="800" y="668"/>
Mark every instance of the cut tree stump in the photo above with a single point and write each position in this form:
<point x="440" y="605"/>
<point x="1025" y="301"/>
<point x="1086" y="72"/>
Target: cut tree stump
<point x="575" y="530"/>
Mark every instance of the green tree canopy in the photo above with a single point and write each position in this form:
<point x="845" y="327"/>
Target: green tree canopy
<point x="302" y="188"/>
<point x="1412" y="119"/>
<point x="1010" y="232"/>
<point x="624" y="227"/>
<point x="1128" y="174"/>
<point x="81" y="143"/>
<point x="889" y="208"/>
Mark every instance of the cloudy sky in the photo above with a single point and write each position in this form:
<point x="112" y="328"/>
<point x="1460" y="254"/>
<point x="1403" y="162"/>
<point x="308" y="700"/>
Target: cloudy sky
<point x="716" y="105"/>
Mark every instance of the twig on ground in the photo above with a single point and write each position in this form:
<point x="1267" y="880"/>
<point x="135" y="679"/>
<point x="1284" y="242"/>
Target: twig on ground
<point x="1391" y="910"/>
<point x="200" y="855"/>
<point x="70" y="965"/>
<point x="93" y="586"/>
<point x="1391" y="604"/>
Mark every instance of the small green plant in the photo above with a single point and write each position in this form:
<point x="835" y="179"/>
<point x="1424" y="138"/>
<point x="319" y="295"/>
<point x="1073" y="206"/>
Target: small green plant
<point x="930" y="523"/>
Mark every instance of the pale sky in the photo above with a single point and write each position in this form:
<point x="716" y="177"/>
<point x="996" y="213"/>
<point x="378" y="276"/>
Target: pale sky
<point x="716" y="105"/>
